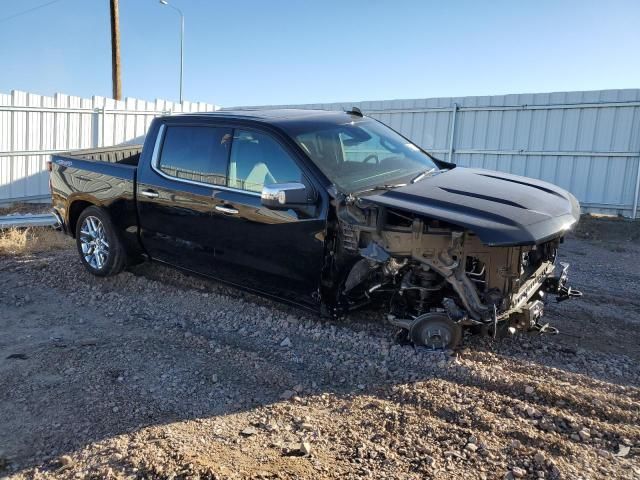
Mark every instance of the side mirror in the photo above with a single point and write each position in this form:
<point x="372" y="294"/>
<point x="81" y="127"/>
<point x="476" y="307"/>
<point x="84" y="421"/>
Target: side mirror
<point x="282" y="196"/>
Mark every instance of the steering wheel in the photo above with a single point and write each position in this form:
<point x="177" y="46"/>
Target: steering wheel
<point x="373" y="156"/>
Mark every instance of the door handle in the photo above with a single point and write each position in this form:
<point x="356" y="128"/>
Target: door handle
<point x="149" y="193"/>
<point x="229" y="210"/>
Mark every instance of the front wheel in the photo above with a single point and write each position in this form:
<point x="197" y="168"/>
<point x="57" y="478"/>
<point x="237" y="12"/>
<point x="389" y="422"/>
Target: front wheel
<point x="436" y="331"/>
<point x="98" y="242"/>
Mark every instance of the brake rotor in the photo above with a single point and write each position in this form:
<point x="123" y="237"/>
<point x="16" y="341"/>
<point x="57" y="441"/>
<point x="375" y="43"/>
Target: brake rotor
<point x="436" y="331"/>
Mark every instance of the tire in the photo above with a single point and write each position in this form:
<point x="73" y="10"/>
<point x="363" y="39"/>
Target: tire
<point x="98" y="242"/>
<point x="436" y="331"/>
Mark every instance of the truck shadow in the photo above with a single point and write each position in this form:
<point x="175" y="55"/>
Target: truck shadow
<point x="130" y="372"/>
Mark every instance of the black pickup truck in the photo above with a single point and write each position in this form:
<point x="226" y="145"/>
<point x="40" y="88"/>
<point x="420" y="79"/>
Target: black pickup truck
<point x="327" y="210"/>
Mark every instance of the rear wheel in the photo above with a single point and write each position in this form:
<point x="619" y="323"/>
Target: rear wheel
<point x="98" y="243"/>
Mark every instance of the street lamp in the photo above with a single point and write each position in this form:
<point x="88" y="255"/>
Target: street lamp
<point x="165" y="2"/>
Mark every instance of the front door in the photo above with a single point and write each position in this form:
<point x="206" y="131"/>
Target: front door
<point x="277" y="252"/>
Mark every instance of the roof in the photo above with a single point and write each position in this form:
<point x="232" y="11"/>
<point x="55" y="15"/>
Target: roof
<point x="278" y="115"/>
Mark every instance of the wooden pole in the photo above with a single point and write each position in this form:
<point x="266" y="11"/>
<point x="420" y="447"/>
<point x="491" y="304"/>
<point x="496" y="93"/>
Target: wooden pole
<point x="115" y="51"/>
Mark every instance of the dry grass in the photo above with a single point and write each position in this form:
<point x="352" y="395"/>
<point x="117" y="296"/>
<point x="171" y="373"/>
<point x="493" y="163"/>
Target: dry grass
<point x="23" y="241"/>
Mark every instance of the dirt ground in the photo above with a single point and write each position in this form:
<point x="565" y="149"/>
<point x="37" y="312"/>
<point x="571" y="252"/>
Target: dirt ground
<point x="154" y="374"/>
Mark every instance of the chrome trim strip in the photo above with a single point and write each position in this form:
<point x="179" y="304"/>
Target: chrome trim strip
<point x="155" y="157"/>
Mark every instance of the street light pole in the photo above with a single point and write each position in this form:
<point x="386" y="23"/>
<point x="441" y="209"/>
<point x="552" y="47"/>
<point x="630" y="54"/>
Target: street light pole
<point x="165" y="2"/>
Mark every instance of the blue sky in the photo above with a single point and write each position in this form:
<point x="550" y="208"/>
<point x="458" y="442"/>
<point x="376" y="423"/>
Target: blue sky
<point x="251" y="52"/>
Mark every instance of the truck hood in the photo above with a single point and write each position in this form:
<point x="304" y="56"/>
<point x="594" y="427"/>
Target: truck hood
<point x="500" y="208"/>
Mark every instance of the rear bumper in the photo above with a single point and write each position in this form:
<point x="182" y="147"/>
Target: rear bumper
<point x="60" y="221"/>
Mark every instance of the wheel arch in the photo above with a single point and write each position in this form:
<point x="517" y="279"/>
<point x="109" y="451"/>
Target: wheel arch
<point x="76" y="207"/>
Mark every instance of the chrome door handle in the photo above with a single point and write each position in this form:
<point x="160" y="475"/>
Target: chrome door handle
<point x="230" y="210"/>
<point x="149" y="193"/>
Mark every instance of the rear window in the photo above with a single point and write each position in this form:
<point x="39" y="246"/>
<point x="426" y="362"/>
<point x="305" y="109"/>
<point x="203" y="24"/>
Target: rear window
<point x="196" y="153"/>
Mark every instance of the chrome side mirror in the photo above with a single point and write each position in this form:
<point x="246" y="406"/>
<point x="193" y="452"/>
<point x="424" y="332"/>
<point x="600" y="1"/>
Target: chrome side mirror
<point x="282" y="196"/>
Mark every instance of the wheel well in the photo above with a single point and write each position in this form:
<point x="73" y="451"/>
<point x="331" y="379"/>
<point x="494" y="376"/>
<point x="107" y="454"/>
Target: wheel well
<point x="75" y="210"/>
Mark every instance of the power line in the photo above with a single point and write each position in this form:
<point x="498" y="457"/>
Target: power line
<point x="38" y="7"/>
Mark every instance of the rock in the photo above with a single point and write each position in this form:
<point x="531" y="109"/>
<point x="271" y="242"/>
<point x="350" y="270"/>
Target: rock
<point x="584" y="435"/>
<point x="471" y="447"/>
<point x="247" y="432"/>
<point x="531" y="411"/>
<point x="65" y="462"/>
<point x="518" y="472"/>
<point x="529" y="390"/>
<point x="539" y="458"/>
<point x="623" y="451"/>
<point x="604" y="453"/>
<point x="287" y="394"/>
<point x="214" y="378"/>
<point x="515" y="443"/>
<point x="285" y="343"/>
<point x="305" y="448"/>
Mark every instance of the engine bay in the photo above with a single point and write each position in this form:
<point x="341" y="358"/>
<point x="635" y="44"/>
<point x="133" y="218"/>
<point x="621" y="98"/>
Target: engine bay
<point x="437" y="279"/>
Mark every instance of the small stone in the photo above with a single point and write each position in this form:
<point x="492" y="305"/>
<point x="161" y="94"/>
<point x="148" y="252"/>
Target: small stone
<point x="214" y="378"/>
<point x="285" y="343"/>
<point x="604" y="453"/>
<point x="471" y="447"/>
<point x="305" y="448"/>
<point x="65" y="461"/>
<point x="247" y="432"/>
<point x="287" y="394"/>
<point x="584" y="435"/>
<point x="115" y="409"/>
<point x="529" y="390"/>
<point x="515" y="443"/>
<point x="518" y="472"/>
<point x="306" y="426"/>
<point x="531" y="411"/>
<point x="539" y="458"/>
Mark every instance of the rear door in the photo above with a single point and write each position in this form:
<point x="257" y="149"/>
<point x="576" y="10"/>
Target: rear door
<point x="176" y="194"/>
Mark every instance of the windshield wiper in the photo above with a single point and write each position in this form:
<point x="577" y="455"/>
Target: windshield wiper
<point x="423" y="175"/>
<point x="385" y="186"/>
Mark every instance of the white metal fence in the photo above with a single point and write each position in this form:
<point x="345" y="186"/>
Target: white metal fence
<point x="32" y="127"/>
<point x="585" y="142"/>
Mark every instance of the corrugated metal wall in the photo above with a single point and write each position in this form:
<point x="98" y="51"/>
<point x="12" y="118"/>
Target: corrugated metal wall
<point x="33" y="126"/>
<point x="585" y="142"/>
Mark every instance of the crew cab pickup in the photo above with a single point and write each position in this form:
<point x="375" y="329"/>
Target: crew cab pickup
<point x="327" y="210"/>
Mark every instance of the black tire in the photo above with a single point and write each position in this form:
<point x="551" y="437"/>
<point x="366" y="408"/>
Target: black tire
<point x="101" y="258"/>
<point x="435" y="330"/>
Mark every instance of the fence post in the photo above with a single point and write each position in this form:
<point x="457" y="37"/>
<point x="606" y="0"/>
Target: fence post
<point x="454" y="112"/>
<point x="634" y="212"/>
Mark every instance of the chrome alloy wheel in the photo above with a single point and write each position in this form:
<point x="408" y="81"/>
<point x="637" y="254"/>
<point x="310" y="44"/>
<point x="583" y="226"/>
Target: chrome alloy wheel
<point x="93" y="241"/>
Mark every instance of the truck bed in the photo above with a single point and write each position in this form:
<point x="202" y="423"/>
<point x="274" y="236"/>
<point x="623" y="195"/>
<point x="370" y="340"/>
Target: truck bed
<point x="101" y="176"/>
<point x="122" y="154"/>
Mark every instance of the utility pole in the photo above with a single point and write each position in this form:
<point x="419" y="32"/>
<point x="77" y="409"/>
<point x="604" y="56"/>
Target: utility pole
<point x="115" y="51"/>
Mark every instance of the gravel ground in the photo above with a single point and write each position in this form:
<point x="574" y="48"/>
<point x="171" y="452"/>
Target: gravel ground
<point x="154" y="374"/>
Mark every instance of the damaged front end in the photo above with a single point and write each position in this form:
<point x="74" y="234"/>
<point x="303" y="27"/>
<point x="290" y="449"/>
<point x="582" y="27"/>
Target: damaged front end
<point x="436" y="278"/>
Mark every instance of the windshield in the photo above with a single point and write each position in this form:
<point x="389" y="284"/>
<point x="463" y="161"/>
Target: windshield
<point x="363" y="154"/>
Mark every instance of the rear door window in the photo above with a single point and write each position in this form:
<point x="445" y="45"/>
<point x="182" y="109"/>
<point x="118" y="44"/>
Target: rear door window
<point x="196" y="153"/>
<point x="257" y="160"/>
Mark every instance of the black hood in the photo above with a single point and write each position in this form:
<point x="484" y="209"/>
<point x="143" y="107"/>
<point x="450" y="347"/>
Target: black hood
<point x="500" y="208"/>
